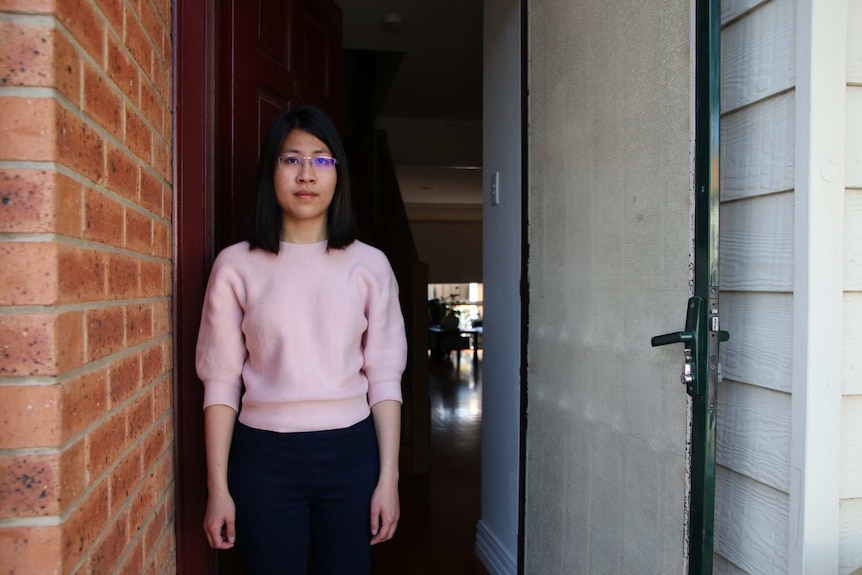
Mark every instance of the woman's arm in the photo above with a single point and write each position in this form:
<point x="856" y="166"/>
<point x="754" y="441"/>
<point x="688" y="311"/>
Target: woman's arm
<point x="385" y="505"/>
<point x="219" y="421"/>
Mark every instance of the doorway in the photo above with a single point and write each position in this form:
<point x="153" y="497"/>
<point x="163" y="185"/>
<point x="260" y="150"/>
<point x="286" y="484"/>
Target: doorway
<point x="198" y="24"/>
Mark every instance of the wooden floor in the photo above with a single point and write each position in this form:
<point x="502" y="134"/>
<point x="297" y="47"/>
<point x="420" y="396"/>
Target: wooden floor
<point x="439" y="511"/>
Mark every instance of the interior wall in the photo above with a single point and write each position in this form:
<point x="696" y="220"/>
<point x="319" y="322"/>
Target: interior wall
<point x="609" y="243"/>
<point x="497" y="532"/>
<point x="452" y="250"/>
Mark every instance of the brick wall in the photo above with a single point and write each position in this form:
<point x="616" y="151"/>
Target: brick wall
<point x="86" y="430"/>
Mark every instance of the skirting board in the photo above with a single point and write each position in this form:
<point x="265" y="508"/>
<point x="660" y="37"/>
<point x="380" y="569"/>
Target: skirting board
<point x="492" y="554"/>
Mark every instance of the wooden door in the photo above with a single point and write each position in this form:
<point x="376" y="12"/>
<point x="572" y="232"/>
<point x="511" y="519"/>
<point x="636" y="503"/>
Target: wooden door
<point x="273" y="54"/>
<point x="238" y="64"/>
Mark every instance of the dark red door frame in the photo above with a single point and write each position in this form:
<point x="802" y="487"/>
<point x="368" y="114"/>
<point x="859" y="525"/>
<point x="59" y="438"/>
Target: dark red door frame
<point x="194" y="23"/>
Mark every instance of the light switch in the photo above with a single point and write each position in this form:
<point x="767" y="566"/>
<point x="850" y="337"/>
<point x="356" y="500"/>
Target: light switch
<point x="495" y="189"/>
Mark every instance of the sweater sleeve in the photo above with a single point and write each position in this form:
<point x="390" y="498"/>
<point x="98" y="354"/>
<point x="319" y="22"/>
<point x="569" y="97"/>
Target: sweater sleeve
<point x="221" y="350"/>
<point x="385" y="349"/>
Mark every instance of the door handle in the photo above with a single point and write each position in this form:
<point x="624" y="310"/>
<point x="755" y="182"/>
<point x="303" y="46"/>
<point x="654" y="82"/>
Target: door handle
<point x="694" y="339"/>
<point x="691" y="338"/>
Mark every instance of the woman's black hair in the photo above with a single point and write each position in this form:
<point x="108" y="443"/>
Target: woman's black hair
<point x="264" y="222"/>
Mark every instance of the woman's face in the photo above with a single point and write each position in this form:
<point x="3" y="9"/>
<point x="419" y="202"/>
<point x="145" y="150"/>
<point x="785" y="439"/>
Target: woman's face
<point x="303" y="187"/>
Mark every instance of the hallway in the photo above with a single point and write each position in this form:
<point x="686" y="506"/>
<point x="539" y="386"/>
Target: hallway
<point x="437" y="531"/>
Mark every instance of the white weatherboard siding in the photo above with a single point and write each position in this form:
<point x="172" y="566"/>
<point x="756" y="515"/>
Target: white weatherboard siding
<point x="850" y="512"/>
<point x="816" y="444"/>
<point x="757" y="235"/>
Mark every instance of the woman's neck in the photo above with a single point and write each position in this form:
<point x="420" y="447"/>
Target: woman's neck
<point x="299" y="234"/>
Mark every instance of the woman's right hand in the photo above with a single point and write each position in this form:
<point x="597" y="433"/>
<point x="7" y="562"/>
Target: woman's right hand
<point x="219" y="521"/>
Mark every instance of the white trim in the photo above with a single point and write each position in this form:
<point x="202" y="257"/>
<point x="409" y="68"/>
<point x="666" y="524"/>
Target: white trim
<point x="817" y="318"/>
<point x="492" y="553"/>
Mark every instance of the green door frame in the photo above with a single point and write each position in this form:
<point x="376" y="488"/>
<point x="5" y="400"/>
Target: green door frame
<point x="702" y="334"/>
<point x="706" y="180"/>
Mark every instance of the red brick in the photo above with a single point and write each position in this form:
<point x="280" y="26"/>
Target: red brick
<point x="26" y="54"/>
<point x="68" y="206"/>
<point x="161" y="247"/>
<point x="162" y="161"/>
<point x="72" y="469"/>
<point x="27" y="201"/>
<point x="30" y="349"/>
<point x="138" y="136"/>
<point x="38" y="56"/>
<point x="164" y="476"/>
<point x="167" y="203"/>
<point x="139" y="324"/>
<point x="101" y="102"/>
<point x="167" y="283"/>
<point x="137" y="43"/>
<point x="30" y="415"/>
<point x="103" y="218"/>
<point x="122" y="70"/>
<point x="35" y="6"/>
<point x="103" y="446"/>
<point x="85" y="400"/>
<point x="28" y="273"/>
<point x="139" y="231"/>
<point x="151" y="192"/>
<point x="85" y="524"/>
<point x="124" y="479"/>
<point x="162" y="397"/>
<point x="40" y="344"/>
<point x="152" y="364"/>
<point x="105" y="332"/>
<point x="113" y="11"/>
<point x="124" y="379"/>
<point x="140" y="416"/>
<point x="67" y="68"/>
<point x="153" y="108"/>
<point x="122" y="276"/>
<point x="169" y="47"/>
<point x="161" y="318"/>
<point x="155" y="528"/>
<point x="105" y="556"/>
<point x="142" y="506"/>
<point x="134" y="562"/>
<point x="154" y="446"/>
<point x="69" y="341"/>
<point x="29" y="128"/>
<point x="79" y="146"/>
<point x="163" y="8"/>
<point x="85" y="25"/>
<point x="29" y="485"/>
<point x="162" y="79"/>
<point x="82" y="274"/>
<point x="39" y="202"/>
<point x="31" y="549"/>
<point x="154" y="28"/>
<point x="168" y="355"/>
<point x="151" y="280"/>
<point x="122" y="173"/>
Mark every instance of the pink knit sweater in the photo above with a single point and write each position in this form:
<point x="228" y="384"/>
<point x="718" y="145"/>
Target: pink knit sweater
<point x="316" y="337"/>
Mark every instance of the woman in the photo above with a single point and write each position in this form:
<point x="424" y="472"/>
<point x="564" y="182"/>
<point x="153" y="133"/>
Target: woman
<point x="302" y="328"/>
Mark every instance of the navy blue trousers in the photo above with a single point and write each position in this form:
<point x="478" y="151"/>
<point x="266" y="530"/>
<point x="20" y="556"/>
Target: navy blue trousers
<point x="292" y="488"/>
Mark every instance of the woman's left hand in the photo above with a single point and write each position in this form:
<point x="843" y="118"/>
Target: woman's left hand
<point x="385" y="511"/>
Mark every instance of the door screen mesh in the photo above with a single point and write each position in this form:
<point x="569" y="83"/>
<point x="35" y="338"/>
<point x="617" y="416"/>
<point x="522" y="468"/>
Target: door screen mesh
<point x="610" y="239"/>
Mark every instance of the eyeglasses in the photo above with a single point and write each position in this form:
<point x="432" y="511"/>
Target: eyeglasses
<point x="297" y="162"/>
